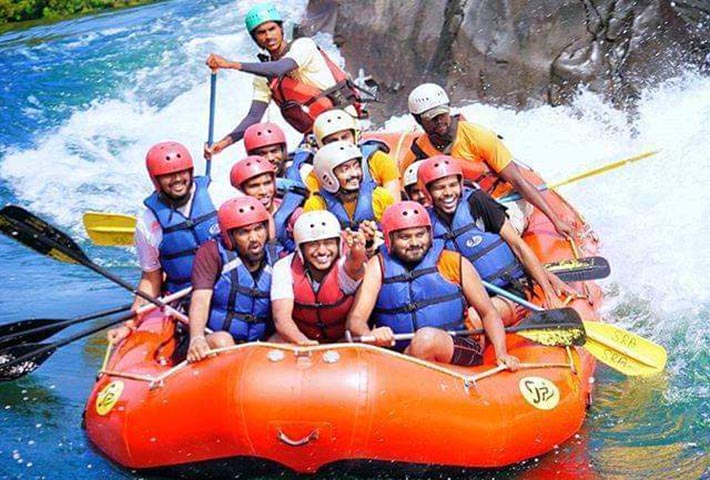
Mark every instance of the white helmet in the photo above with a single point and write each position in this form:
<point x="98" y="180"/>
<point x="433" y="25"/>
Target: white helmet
<point x="333" y="121"/>
<point x="425" y="97"/>
<point x="313" y="226"/>
<point x="410" y="174"/>
<point x="330" y="157"/>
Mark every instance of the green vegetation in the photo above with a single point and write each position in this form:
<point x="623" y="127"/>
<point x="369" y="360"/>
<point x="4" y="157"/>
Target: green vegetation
<point x="23" y="10"/>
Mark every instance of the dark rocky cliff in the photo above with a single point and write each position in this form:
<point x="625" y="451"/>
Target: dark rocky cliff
<point x="515" y="52"/>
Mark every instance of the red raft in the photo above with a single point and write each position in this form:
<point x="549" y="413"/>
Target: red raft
<point x="305" y="408"/>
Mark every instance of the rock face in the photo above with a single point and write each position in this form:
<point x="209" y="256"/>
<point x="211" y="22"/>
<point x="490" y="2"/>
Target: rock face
<point x="514" y="52"/>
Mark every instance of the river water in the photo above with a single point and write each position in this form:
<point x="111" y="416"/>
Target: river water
<point x="82" y="101"/>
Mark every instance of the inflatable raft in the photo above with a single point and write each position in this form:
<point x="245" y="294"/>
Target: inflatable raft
<point x="307" y="407"/>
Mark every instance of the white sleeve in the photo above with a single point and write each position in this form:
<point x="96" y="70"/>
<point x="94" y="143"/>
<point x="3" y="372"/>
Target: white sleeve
<point x="282" y="279"/>
<point x="347" y="284"/>
<point x="147" y="239"/>
<point x="303" y="51"/>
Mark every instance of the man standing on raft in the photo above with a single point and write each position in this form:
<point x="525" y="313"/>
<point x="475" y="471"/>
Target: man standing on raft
<point x="298" y="76"/>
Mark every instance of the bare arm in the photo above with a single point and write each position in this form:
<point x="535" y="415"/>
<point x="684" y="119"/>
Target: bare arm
<point x="199" y="312"/>
<point x="357" y="256"/>
<point x="256" y="112"/>
<point x="476" y="296"/>
<point x="365" y="299"/>
<point x="282" y="311"/>
<point x="531" y="263"/>
<point x="150" y="283"/>
<point x="529" y="192"/>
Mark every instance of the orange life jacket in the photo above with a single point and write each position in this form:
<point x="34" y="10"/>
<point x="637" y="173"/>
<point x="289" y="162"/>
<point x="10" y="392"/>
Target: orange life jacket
<point x="319" y="315"/>
<point x="300" y="103"/>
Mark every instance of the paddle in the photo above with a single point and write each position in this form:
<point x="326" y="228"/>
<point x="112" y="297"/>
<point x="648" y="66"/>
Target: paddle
<point x="109" y="229"/>
<point x="560" y="327"/>
<point x="580" y="176"/>
<point x="580" y="269"/>
<point x="20" y="360"/>
<point x="38" y="329"/>
<point x="623" y="351"/>
<point x="35" y="233"/>
<point x="210" y="128"/>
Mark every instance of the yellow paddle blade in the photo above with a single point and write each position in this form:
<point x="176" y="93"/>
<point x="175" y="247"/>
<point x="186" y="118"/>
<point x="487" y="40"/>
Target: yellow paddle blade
<point x="624" y="351"/>
<point x="110" y="229"/>
<point x="603" y="169"/>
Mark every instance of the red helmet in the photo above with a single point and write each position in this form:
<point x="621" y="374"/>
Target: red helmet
<point x="239" y="212"/>
<point x="165" y="158"/>
<point x="405" y="214"/>
<point x="435" y="168"/>
<point x="247" y="168"/>
<point x="262" y="135"/>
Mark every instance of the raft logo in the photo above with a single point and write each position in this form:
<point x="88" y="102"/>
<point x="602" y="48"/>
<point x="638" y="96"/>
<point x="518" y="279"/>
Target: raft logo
<point x="539" y="392"/>
<point x="108" y="397"/>
<point x="474" y="241"/>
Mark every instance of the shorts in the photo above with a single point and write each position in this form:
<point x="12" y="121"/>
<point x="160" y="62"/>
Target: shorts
<point x="467" y="352"/>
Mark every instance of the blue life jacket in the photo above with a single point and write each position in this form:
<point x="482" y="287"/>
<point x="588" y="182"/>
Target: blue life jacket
<point x="183" y="235"/>
<point x="293" y="198"/>
<point x="416" y="298"/>
<point x="300" y="157"/>
<point x="490" y="254"/>
<point x="368" y="149"/>
<point x="363" y="209"/>
<point x="240" y="304"/>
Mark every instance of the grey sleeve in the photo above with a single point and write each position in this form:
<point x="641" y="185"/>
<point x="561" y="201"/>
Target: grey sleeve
<point x="256" y="111"/>
<point x="276" y="68"/>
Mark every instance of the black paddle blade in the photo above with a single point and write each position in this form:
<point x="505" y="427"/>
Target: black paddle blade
<point x="580" y="269"/>
<point x="19" y="224"/>
<point x="20" y="360"/>
<point x="25" y="331"/>
<point x="557" y="327"/>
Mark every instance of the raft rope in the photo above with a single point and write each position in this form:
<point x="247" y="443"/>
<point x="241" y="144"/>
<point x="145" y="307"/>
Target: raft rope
<point x="468" y="380"/>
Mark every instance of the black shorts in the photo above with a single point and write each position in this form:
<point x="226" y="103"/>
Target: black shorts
<point x="467" y="352"/>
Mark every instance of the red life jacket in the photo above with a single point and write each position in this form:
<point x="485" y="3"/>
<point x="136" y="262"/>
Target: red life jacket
<point x="319" y="315"/>
<point x="300" y="104"/>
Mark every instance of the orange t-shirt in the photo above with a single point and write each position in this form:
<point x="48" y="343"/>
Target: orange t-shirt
<point x="480" y="149"/>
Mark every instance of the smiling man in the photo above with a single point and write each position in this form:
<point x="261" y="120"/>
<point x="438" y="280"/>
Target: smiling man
<point x="298" y="76"/>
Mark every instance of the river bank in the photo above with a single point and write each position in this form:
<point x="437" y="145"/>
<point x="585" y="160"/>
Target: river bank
<point x="33" y="16"/>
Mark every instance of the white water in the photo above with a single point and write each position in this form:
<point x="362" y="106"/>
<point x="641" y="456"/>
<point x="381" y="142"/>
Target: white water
<point x="650" y="215"/>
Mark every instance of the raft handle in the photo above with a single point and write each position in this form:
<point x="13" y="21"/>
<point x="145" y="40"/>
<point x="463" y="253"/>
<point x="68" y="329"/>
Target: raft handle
<point x="297" y="443"/>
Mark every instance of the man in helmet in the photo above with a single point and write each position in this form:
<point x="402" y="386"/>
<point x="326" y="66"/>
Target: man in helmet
<point x="231" y="280"/>
<point x="416" y="286"/>
<point x="180" y="216"/>
<point x="354" y="202"/>
<point x="254" y="176"/>
<point x="475" y="225"/>
<point x="484" y="157"/>
<point x="335" y="125"/>
<point x="412" y="189"/>
<point x="313" y="288"/>
<point x="298" y="76"/>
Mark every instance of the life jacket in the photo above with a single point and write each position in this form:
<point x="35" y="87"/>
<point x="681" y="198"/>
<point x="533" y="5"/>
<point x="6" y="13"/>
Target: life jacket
<point x="183" y="235"/>
<point x="241" y="305"/>
<point x="319" y="315"/>
<point x="490" y="254"/>
<point x="301" y="104"/>
<point x="368" y="149"/>
<point x="363" y="208"/>
<point x="294" y="197"/>
<point x="298" y="158"/>
<point x="416" y="298"/>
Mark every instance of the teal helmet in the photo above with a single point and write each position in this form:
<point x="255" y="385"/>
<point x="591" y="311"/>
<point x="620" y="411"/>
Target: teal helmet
<point x="262" y="13"/>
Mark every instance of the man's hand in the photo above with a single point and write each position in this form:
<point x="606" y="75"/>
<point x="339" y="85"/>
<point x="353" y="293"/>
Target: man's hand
<point x="384" y="336"/>
<point x="510" y="361"/>
<point x="356" y="245"/>
<point x="307" y="343"/>
<point x="215" y="62"/>
<point x="216" y="148"/>
<point x="564" y="228"/>
<point x="198" y="349"/>
<point x="118" y="334"/>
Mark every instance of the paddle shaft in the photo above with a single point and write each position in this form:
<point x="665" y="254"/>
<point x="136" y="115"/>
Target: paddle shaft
<point x="210" y="130"/>
<point x="54" y="346"/>
<point x="56" y="326"/>
<point x="581" y="176"/>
